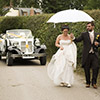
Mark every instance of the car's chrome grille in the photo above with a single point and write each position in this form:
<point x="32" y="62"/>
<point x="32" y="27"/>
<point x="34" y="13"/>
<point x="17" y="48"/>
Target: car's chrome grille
<point x="30" y="46"/>
<point x="23" y="46"/>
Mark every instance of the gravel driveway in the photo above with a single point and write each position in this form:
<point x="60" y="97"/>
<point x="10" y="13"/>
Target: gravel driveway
<point x="28" y="80"/>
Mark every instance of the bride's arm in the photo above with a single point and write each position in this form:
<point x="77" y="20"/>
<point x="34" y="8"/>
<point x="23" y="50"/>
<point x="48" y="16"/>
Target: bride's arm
<point x="57" y="43"/>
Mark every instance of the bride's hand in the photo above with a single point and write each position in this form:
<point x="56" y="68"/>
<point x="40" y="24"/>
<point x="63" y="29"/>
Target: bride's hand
<point x="61" y="48"/>
<point x="71" y="35"/>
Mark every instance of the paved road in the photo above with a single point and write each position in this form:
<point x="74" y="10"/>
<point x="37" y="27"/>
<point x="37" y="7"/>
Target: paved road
<point x="27" y="80"/>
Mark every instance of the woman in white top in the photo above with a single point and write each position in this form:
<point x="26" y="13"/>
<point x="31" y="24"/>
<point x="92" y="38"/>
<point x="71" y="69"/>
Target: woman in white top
<point x="63" y="62"/>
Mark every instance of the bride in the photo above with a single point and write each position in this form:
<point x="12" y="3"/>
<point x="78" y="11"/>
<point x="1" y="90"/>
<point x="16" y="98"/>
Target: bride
<point x="63" y="62"/>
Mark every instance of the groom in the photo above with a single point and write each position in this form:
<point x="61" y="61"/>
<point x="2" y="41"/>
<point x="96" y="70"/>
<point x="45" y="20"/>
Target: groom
<point x="90" y="54"/>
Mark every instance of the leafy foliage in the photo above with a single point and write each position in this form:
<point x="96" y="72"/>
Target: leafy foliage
<point x="92" y="4"/>
<point x="30" y="3"/>
<point x="53" y="6"/>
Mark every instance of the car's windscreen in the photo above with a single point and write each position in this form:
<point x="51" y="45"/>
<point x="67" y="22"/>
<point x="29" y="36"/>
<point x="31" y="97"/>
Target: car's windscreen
<point x="19" y="34"/>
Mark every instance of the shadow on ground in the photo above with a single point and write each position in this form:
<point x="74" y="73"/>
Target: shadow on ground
<point x="21" y="62"/>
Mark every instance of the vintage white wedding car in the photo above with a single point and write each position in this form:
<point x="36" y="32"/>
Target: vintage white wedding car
<point x="19" y="43"/>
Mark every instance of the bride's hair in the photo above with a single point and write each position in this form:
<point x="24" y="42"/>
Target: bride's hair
<point x="65" y="27"/>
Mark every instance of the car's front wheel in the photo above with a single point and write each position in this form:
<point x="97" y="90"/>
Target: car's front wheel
<point x="43" y="60"/>
<point x="0" y="57"/>
<point x="9" y="58"/>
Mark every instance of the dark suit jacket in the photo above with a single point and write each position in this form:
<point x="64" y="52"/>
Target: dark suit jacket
<point x="87" y="46"/>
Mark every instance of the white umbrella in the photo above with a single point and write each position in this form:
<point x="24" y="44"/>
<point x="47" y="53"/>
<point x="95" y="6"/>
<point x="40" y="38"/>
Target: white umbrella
<point x="70" y="16"/>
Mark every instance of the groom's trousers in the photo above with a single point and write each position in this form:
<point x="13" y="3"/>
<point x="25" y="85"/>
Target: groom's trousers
<point x="92" y="63"/>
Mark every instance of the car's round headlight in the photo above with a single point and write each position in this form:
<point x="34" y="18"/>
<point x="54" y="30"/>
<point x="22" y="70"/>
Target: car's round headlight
<point x="37" y="42"/>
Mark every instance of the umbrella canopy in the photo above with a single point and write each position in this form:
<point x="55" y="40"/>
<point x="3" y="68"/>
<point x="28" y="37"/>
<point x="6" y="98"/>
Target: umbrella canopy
<point x="70" y="16"/>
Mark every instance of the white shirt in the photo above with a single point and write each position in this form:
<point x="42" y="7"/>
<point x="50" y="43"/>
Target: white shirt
<point x="91" y="34"/>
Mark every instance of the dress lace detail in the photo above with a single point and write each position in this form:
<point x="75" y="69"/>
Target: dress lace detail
<point x="63" y="62"/>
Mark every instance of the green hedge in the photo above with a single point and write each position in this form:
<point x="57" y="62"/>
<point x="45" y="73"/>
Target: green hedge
<point x="46" y="31"/>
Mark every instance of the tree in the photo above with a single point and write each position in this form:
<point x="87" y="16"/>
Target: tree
<point x="15" y="3"/>
<point x="92" y="4"/>
<point x="30" y="3"/>
<point x="3" y="3"/>
<point x="77" y="4"/>
<point x="53" y="6"/>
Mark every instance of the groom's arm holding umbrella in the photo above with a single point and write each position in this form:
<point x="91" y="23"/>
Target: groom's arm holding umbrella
<point x="82" y="36"/>
<point x="79" y="39"/>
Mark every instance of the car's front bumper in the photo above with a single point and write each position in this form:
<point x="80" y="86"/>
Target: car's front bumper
<point x="29" y="56"/>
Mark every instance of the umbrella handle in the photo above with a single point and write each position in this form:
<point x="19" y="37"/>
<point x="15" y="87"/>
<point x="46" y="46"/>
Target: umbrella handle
<point x="54" y="25"/>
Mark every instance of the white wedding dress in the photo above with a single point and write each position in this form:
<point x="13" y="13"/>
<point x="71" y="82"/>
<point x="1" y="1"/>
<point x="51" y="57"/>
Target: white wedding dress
<point x="63" y="62"/>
